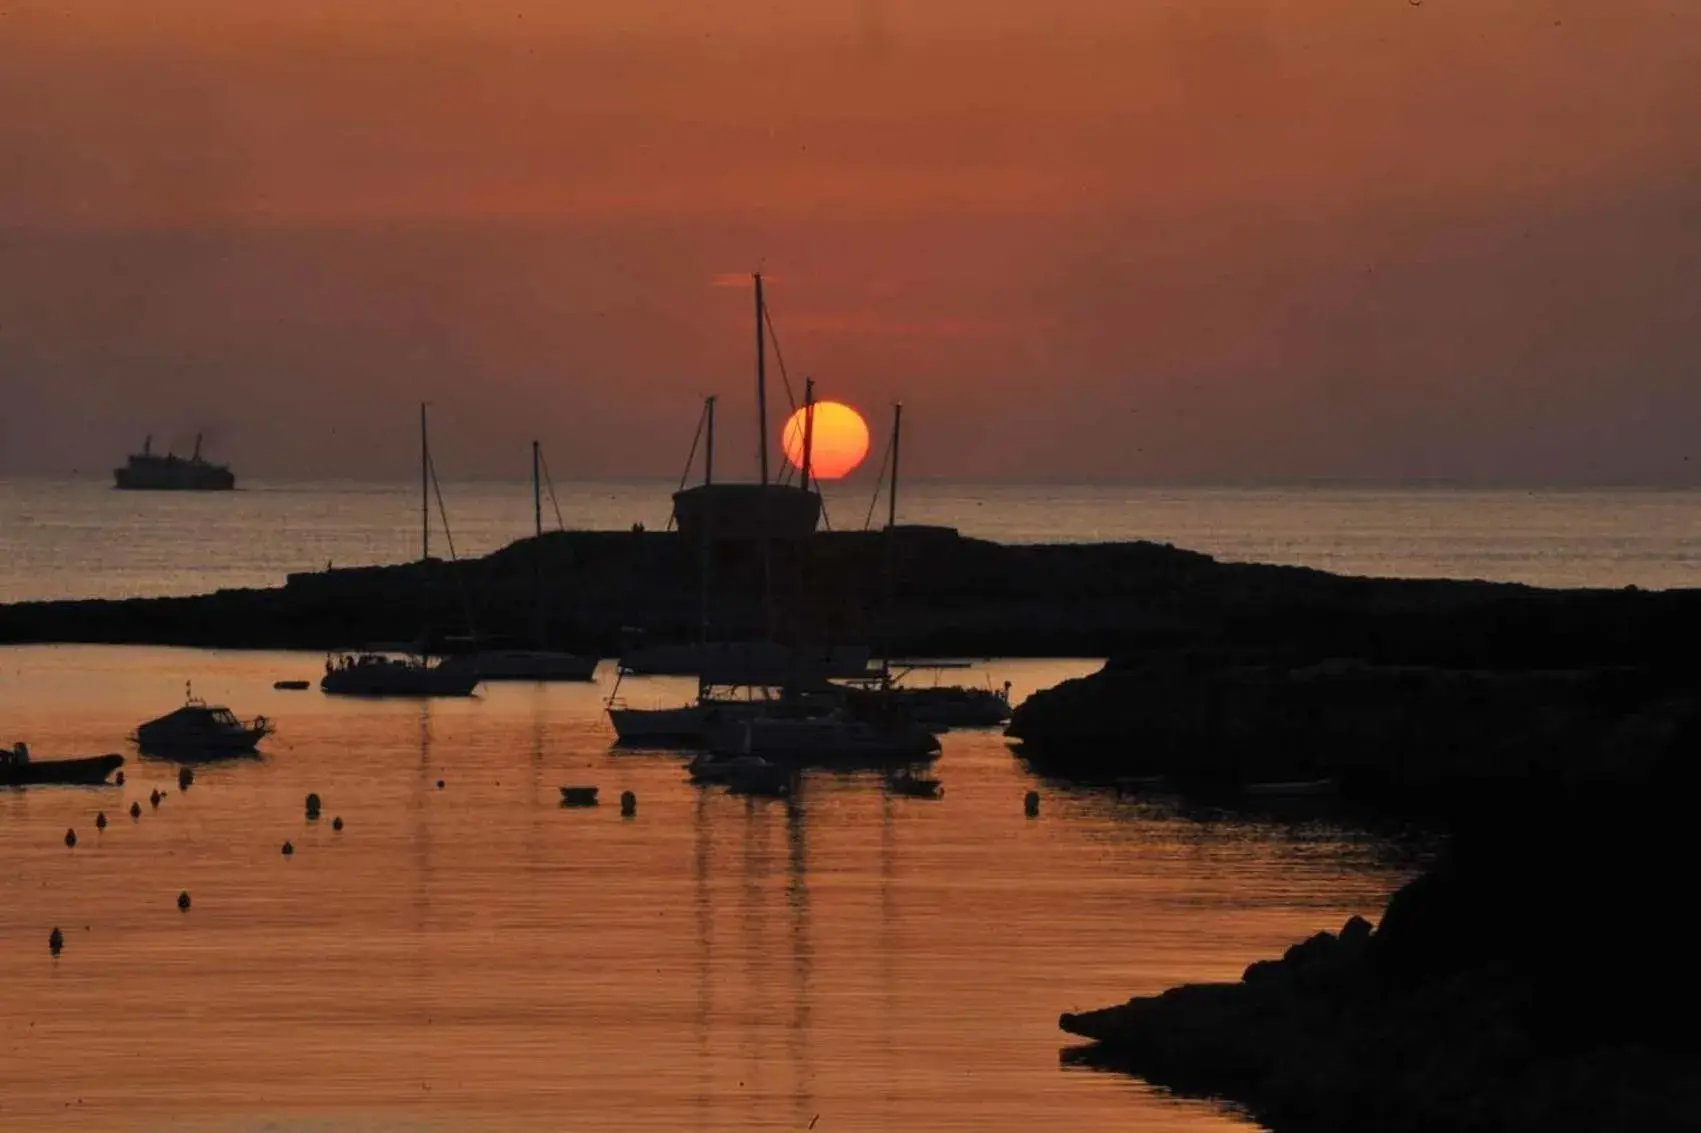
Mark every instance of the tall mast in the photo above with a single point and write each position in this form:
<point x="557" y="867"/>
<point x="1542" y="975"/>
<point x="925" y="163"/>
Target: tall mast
<point x="761" y="379"/>
<point x="709" y="450"/>
<point x="892" y="489"/>
<point x="424" y="488"/>
<point x="537" y="492"/>
<point x="808" y="429"/>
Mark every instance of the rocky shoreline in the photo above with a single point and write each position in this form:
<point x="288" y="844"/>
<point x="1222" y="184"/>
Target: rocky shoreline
<point x="1530" y="981"/>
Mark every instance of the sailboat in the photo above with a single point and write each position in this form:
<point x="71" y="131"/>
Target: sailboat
<point x="938" y="707"/>
<point x="535" y="664"/>
<point x="735" y="680"/>
<point x="380" y="672"/>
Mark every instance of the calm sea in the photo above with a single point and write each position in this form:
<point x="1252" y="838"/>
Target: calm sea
<point x="79" y="538"/>
<point x="475" y="958"/>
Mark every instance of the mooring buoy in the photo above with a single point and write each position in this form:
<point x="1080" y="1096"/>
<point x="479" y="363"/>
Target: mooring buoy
<point x="288" y="849"/>
<point x="55" y="941"/>
<point x="185" y="776"/>
<point x="71" y="838"/>
<point x="155" y="797"/>
<point x="135" y="810"/>
<point x="337" y="822"/>
<point x="183" y="900"/>
<point x="118" y="779"/>
<point x="439" y="784"/>
<point x="628" y="804"/>
<point x="1031" y="804"/>
<point x="100" y="820"/>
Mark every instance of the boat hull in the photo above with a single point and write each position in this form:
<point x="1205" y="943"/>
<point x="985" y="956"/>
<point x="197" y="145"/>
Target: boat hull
<point x="823" y="743"/>
<point x="398" y="680"/>
<point x="687" y="725"/>
<point x="87" y="770"/>
<point x="523" y="665"/>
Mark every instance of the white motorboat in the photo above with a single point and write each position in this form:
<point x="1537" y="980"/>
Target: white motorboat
<point x="202" y="729"/>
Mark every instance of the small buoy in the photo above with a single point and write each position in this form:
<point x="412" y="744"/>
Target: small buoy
<point x="118" y="779"/>
<point x="135" y="810"/>
<point x="70" y="837"/>
<point x="185" y="776"/>
<point x="628" y="804"/>
<point x="288" y="849"/>
<point x="439" y="784"/>
<point x="1031" y="804"/>
<point x="100" y="820"/>
<point x="183" y="900"/>
<point x="337" y="822"/>
<point x="55" y="941"/>
<point x="313" y="806"/>
<point x="155" y="797"/>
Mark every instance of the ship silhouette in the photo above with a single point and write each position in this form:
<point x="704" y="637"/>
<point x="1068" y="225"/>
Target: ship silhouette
<point x="147" y="472"/>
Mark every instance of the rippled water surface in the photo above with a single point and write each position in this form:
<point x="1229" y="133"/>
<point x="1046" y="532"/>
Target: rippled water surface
<point x="474" y="957"/>
<point x="77" y="538"/>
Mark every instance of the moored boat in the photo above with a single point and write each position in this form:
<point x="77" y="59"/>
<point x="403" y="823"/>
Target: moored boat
<point x="17" y="769"/>
<point x="827" y="741"/>
<point x="200" y="729"/>
<point x="379" y="674"/>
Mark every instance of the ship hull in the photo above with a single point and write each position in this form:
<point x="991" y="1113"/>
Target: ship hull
<point x="200" y="480"/>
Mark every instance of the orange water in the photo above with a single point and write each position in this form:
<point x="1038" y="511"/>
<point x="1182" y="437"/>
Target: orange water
<point x="478" y="958"/>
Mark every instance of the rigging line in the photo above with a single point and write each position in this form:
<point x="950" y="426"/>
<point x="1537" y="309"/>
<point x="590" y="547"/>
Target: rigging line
<point x="885" y="470"/>
<point x="449" y="537"/>
<point x="779" y="359"/>
<point x="690" y="459"/>
<point x="549" y="483"/>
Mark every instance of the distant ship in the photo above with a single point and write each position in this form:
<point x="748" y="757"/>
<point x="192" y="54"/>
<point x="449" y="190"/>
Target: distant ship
<point x="171" y="473"/>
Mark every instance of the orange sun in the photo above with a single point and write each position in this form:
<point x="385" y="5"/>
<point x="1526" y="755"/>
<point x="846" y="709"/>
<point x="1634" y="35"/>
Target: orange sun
<point x="837" y="444"/>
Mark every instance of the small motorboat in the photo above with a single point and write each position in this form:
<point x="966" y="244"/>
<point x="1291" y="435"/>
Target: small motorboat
<point x="202" y="730"/>
<point x="292" y="686"/>
<point x="914" y="786"/>
<point x="17" y="769"/>
<point x="1291" y="788"/>
<point x="743" y="774"/>
<point x="578" y="796"/>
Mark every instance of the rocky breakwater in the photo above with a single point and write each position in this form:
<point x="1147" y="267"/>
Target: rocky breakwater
<point x="1532" y="981"/>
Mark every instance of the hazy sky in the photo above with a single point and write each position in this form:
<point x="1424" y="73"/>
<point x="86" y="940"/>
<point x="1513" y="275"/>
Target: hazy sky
<point x="1166" y="240"/>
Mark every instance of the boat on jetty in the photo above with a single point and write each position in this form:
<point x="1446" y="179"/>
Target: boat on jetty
<point x="200" y="730"/>
<point x="148" y="472"/>
<point x="17" y="769"/>
<point x="760" y="512"/>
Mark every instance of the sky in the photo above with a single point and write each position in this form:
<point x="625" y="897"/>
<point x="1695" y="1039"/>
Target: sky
<point x="1167" y="241"/>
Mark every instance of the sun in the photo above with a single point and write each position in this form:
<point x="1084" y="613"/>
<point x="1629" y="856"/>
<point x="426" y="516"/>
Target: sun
<point x="838" y="441"/>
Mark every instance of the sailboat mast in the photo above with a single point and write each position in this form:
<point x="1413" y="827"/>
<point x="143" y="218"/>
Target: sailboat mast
<point x="537" y="491"/>
<point x="761" y="380"/>
<point x="709" y="451"/>
<point x="424" y="488"/>
<point x="808" y="429"/>
<point x="892" y="489"/>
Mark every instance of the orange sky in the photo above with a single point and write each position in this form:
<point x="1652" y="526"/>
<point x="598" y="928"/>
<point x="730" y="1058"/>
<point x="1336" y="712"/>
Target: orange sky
<point x="1245" y="240"/>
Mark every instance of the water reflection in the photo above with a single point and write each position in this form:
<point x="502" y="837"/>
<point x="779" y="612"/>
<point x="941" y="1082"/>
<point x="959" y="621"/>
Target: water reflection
<point x="797" y="901"/>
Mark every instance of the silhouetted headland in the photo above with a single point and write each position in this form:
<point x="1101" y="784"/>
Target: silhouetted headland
<point x="950" y="596"/>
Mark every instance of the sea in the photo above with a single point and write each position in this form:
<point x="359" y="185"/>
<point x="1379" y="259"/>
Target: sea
<point x="467" y="955"/>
